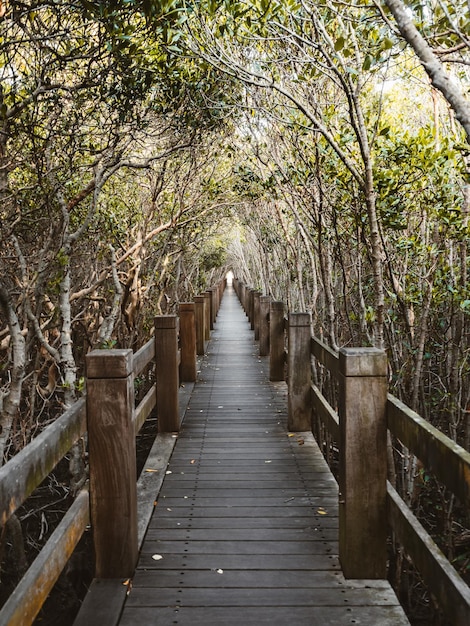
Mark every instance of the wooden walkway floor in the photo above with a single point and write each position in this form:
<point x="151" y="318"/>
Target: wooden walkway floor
<point x="245" y="529"/>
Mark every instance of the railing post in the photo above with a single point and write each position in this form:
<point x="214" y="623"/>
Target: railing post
<point x="210" y="297"/>
<point x="187" y="341"/>
<point x="251" y="305"/>
<point x="299" y="409"/>
<point x="363" y="465"/>
<point x="214" y="305"/>
<point x="111" y="437"/>
<point x="276" y="341"/>
<point x="200" y="324"/>
<point x="207" y="315"/>
<point x="166" y="356"/>
<point x="256" y="297"/>
<point x="264" y="302"/>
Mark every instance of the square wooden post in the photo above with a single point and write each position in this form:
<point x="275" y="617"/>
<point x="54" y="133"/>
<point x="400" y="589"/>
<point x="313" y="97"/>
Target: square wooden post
<point x="264" y="303"/>
<point x="211" y="309"/>
<point x="251" y="307"/>
<point x="166" y="357"/>
<point x="242" y="296"/>
<point x="299" y="408"/>
<point x="200" y="324"/>
<point x="187" y="341"/>
<point x="256" y="303"/>
<point x="363" y="462"/>
<point x="111" y="440"/>
<point x="207" y="315"/>
<point x="214" y="305"/>
<point x="276" y="341"/>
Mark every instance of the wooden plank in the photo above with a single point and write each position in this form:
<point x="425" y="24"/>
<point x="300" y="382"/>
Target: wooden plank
<point x="451" y="592"/>
<point x="438" y="453"/>
<point x="325" y="412"/>
<point x="145" y="407"/>
<point x="264" y="616"/>
<point x="103" y="603"/>
<point x="31" y="592"/>
<point x="306" y="533"/>
<point x="143" y="356"/>
<point x="235" y="561"/>
<point x="151" y="480"/>
<point x="26" y="470"/>
<point x="200" y="579"/>
<point x="244" y="597"/>
<point x="323" y="353"/>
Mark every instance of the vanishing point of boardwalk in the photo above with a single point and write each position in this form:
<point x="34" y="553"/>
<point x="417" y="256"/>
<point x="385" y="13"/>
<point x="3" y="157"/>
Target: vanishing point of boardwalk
<point x="245" y="529"/>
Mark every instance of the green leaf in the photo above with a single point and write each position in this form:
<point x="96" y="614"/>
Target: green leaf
<point x="339" y="44"/>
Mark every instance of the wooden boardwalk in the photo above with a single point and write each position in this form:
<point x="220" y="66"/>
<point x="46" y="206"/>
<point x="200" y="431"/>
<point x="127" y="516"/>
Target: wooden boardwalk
<point x="245" y="528"/>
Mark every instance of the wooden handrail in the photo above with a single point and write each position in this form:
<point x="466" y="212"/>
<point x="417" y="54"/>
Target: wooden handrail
<point x="26" y="470"/>
<point x="448" y="461"/>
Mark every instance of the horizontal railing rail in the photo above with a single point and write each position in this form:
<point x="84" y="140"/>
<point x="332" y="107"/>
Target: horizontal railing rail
<point x="368" y="503"/>
<point x="108" y="418"/>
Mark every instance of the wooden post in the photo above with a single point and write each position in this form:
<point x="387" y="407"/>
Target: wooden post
<point x="240" y="287"/>
<point x="187" y="341"/>
<point x="166" y="356"/>
<point x="211" y="309"/>
<point x="251" y="307"/>
<point x="299" y="408"/>
<point x="264" y="302"/>
<point x="214" y="305"/>
<point x="256" y="297"/>
<point x="200" y="324"/>
<point x="111" y="440"/>
<point x="276" y="341"/>
<point x="363" y="464"/>
<point x="207" y="315"/>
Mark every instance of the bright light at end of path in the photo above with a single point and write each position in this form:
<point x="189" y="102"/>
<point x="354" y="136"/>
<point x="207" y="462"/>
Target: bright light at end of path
<point x="229" y="277"/>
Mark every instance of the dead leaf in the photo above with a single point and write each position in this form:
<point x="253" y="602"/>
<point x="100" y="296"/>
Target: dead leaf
<point x="301" y="442"/>
<point x="193" y="461"/>
<point x="151" y="470"/>
<point x="321" y="511"/>
<point x="157" y="557"/>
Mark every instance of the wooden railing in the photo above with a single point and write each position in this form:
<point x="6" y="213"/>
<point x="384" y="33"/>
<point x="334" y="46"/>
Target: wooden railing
<point x="369" y="506"/>
<point x="108" y="419"/>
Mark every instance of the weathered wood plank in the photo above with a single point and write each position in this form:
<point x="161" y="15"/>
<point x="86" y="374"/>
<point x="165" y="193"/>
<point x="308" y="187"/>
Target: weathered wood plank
<point x="143" y="356"/>
<point x="26" y="470"/>
<point x="452" y="594"/>
<point x="325" y="355"/>
<point x="442" y="456"/>
<point x="265" y="616"/>
<point x="103" y="603"/>
<point x="145" y="407"/>
<point x="31" y="592"/>
<point x="325" y="412"/>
